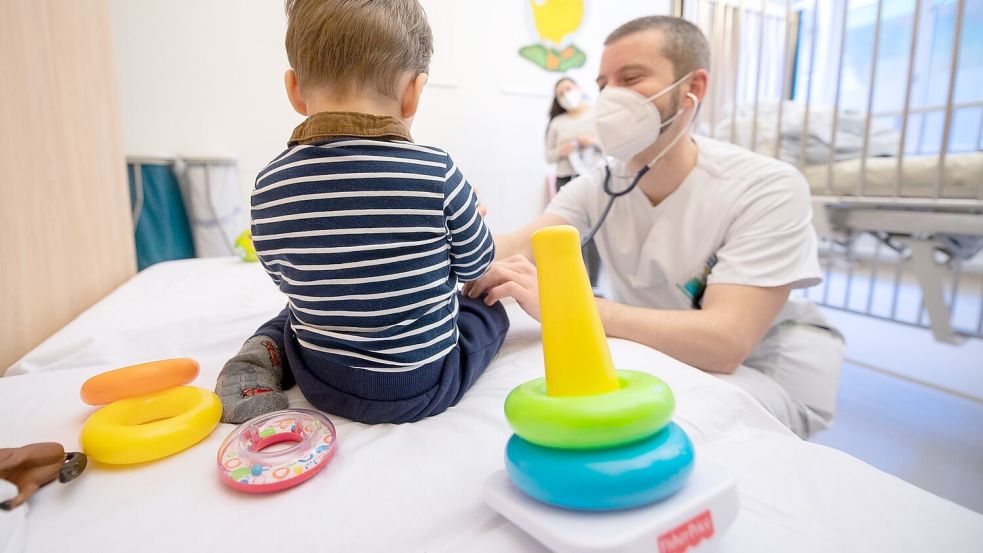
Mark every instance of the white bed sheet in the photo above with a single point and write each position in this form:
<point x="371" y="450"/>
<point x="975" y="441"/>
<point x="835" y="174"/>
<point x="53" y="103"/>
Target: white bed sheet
<point x="963" y="176"/>
<point x="412" y="487"/>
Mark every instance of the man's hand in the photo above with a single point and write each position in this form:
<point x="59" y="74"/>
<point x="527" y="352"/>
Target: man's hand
<point x="512" y="277"/>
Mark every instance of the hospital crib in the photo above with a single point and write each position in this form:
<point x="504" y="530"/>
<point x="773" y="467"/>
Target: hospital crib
<point x="854" y="93"/>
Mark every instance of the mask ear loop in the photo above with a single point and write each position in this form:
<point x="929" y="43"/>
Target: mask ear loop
<point x="666" y="90"/>
<point x="672" y="143"/>
<point x="679" y="112"/>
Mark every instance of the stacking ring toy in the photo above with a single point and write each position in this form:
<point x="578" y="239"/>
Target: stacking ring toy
<point x="244" y="465"/>
<point x="640" y="408"/>
<point x="602" y="479"/>
<point x="137" y="380"/>
<point x="151" y="426"/>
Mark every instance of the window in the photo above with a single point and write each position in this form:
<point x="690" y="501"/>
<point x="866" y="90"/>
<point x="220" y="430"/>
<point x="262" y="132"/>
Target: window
<point x="931" y="70"/>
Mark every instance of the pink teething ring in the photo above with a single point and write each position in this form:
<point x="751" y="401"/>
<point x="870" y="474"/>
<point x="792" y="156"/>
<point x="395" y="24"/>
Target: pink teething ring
<point x="244" y="465"/>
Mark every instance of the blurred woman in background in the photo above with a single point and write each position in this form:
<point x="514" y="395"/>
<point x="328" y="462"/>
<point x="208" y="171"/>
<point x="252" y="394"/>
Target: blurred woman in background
<point x="571" y="141"/>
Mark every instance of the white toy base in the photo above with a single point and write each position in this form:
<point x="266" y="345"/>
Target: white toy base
<point x="690" y="521"/>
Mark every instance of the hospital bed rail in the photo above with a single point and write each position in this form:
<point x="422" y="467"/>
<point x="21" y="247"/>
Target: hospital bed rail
<point x="902" y="245"/>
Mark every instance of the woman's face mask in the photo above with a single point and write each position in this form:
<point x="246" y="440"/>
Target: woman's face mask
<point x="571" y="99"/>
<point x="628" y="122"/>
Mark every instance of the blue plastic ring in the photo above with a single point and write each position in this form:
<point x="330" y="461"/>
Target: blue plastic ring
<point x="602" y="479"/>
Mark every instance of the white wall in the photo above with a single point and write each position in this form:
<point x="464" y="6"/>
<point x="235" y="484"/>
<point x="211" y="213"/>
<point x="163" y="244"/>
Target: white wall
<point x="204" y="78"/>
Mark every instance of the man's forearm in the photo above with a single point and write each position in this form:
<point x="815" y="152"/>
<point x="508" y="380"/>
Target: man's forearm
<point x="512" y="243"/>
<point x="518" y="242"/>
<point x="505" y="245"/>
<point x="703" y="340"/>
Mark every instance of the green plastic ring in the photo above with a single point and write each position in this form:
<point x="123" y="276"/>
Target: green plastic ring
<point x="640" y="408"/>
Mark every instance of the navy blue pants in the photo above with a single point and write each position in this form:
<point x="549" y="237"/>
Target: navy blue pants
<point x="394" y="397"/>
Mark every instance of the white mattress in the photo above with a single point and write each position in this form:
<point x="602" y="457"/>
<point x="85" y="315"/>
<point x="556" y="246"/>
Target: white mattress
<point x="963" y="176"/>
<point x="412" y="487"/>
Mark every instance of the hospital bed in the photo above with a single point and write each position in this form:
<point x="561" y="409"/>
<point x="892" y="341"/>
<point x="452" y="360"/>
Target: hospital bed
<point x="412" y="487"/>
<point x="909" y="218"/>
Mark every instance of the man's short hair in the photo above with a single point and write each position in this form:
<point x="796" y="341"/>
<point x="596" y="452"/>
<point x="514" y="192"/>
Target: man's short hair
<point x="348" y="46"/>
<point x="685" y="45"/>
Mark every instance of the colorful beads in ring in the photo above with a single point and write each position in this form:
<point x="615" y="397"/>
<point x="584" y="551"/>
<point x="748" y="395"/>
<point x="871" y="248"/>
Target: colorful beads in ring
<point x="602" y="479"/>
<point x="151" y="426"/>
<point x="246" y="465"/>
<point x="641" y="407"/>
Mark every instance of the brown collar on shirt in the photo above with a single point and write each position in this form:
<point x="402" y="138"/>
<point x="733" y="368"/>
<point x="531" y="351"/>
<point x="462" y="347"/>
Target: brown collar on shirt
<point x="333" y="124"/>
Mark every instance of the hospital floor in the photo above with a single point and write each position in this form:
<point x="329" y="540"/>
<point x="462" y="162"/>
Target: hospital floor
<point x="929" y="437"/>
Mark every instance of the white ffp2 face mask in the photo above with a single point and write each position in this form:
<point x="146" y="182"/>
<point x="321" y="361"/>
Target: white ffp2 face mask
<point x="628" y="122"/>
<point x="571" y="99"/>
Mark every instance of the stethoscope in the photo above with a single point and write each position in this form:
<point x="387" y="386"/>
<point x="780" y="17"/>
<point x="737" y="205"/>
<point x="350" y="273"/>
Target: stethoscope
<point x="615" y="194"/>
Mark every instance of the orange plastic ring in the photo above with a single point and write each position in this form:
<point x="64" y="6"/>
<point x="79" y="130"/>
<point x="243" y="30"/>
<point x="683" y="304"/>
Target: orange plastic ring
<point x="137" y="380"/>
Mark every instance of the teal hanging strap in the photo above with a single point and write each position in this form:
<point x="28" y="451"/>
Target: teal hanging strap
<point x="161" y="224"/>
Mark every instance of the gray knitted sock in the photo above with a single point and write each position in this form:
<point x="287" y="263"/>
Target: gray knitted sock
<point x="251" y="383"/>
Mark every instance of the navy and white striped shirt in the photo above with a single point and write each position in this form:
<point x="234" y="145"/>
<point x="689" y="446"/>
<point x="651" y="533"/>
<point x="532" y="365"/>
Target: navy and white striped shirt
<point x="369" y="239"/>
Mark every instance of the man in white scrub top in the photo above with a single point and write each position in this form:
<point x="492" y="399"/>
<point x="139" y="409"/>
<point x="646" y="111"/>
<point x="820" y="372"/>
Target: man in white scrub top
<point x="702" y="255"/>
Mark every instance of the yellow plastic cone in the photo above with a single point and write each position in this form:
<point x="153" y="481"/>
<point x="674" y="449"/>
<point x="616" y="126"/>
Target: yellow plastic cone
<point x="578" y="362"/>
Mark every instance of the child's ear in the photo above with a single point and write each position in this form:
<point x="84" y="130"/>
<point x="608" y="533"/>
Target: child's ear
<point x="411" y="95"/>
<point x="293" y="92"/>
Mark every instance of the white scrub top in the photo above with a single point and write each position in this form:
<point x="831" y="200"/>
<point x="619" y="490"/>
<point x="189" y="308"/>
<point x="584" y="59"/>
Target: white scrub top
<point x="737" y="218"/>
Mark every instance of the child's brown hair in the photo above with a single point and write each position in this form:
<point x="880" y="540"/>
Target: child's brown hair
<point x="346" y="46"/>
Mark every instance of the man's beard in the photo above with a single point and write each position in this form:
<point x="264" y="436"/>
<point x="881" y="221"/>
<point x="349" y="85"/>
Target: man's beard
<point x="673" y="107"/>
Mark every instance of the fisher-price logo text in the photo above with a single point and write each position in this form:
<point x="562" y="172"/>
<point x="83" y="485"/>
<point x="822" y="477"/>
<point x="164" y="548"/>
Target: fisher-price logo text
<point x="688" y="534"/>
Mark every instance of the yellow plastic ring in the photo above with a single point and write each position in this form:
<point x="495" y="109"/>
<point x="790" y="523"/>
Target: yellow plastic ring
<point x="151" y="426"/>
<point x="641" y="407"/>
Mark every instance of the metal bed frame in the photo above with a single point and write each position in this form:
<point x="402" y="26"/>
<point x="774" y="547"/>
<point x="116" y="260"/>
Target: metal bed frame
<point x="932" y="238"/>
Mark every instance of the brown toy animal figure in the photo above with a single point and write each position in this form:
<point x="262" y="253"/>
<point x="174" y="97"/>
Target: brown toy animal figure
<point x="33" y="466"/>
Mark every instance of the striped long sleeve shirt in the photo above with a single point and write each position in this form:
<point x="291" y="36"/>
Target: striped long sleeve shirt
<point x="368" y="238"/>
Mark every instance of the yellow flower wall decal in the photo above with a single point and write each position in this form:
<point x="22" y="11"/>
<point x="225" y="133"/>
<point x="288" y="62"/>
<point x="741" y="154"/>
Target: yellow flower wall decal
<point x="556" y="23"/>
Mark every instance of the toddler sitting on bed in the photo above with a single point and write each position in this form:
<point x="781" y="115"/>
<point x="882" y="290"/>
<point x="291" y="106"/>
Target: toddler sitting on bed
<point x="367" y="233"/>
